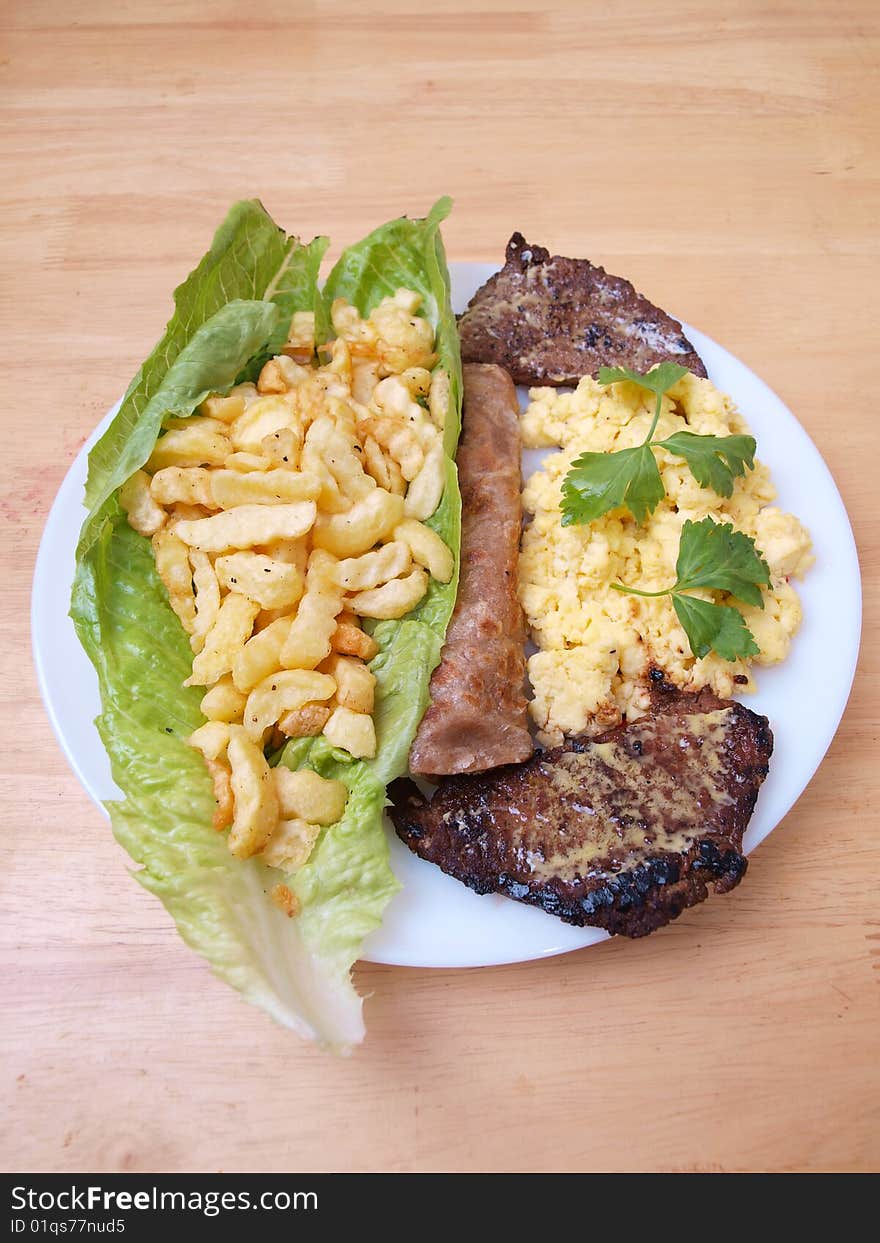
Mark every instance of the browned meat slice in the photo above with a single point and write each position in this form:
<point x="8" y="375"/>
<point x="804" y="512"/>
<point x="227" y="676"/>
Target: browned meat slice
<point x="623" y="831"/>
<point x="477" y="716"/>
<point x="551" y="320"/>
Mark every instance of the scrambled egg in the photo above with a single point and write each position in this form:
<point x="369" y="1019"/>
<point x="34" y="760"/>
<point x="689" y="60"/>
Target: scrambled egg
<point x="596" y="645"/>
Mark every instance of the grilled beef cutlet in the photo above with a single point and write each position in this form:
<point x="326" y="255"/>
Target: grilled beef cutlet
<point x="478" y="715"/>
<point x="551" y="320"/>
<point x="623" y="831"/>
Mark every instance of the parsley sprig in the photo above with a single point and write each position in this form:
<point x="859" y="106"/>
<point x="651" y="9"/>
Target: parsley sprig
<point x="713" y="555"/>
<point x="599" y="482"/>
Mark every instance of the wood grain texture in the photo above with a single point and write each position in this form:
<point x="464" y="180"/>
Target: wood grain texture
<point x="722" y="155"/>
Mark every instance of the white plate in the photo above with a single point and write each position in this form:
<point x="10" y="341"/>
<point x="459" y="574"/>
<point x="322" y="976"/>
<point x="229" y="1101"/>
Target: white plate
<point x="435" y="921"/>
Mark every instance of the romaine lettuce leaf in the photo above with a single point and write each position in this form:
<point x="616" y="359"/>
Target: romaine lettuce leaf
<point x="347" y="881"/>
<point x="409" y="254"/>
<point x="230" y="313"/>
<point x="409" y="652"/>
<point x="294" y="287"/>
<point x="251" y="261"/>
<point x="209" y="362"/>
<point x="297" y="969"/>
<point x="406" y="254"/>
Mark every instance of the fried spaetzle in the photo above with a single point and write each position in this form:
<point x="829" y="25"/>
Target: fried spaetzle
<point x="281" y="514"/>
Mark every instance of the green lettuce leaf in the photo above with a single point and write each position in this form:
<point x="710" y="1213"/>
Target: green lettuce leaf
<point x="294" y="288"/>
<point x="409" y="254"/>
<point x="251" y="261"/>
<point x="409" y="652"/>
<point x="347" y="882"/>
<point x="209" y="362"/>
<point x="230" y="313"/>
<point x="296" y="969"/>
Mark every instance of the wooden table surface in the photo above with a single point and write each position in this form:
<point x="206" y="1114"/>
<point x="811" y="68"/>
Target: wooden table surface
<point x="724" y="155"/>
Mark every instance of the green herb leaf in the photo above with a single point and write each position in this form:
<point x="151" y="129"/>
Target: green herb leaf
<point x="598" y="482"/>
<point x="658" y="381"/>
<point x="713" y="554"/>
<point x="714" y="627"/>
<point x="714" y="461"/>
